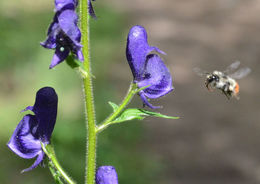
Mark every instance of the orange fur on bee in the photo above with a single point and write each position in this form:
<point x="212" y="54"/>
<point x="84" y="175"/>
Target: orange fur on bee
<point x="237" y="88"/>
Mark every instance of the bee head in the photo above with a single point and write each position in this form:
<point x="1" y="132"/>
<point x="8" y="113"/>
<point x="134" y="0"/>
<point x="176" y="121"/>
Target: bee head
<point x="211" y="78"/>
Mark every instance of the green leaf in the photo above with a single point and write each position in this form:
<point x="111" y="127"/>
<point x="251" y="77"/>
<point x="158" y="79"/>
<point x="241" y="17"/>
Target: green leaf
<point x="131" y="114"/>
<point x="73" y="63"/>
<point x="157" y="114"/>
<point x="113" y="105"/>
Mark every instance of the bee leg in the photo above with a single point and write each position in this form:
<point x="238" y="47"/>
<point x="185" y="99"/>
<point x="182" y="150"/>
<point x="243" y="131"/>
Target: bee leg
<point x="226" y="91"/>
<point x="207" y="84"/>
<point x="237" y="97"/>
<point x="227" y="95"/>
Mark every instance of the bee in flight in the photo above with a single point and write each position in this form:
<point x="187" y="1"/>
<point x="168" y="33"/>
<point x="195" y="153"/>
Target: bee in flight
<point x="224" y="81"/>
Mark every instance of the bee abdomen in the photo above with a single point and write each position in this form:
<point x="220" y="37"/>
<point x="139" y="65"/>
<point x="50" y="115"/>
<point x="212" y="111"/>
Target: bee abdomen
<point x="237" y="88"/>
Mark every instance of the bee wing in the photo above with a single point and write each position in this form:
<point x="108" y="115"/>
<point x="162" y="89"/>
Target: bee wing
<point x="199" y="72"/>
<point x="240" y="73"/>
<point x="232" y="67"/>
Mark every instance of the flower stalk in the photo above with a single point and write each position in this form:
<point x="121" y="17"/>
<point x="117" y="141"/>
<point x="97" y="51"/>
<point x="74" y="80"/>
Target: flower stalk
<point x="89" y="98"/>
<point x="54" y="165"/>
<point x="131" y="92"/>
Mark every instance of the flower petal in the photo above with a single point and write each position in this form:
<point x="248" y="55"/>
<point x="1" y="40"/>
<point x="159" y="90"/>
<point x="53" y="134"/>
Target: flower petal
<point x="53" y="31"/>
<point x="65" y="4"/>
<point x="71" y="34"/>
<point x="45" y="109"/>
<point x="23" y="141"/>
<point x="68" y="20"/>
<point x="50" y="42"/>
<point x="146" y="102"/>
<point x="91" y="9"/>
<point x="29" y="108"/>
<point x="79" y="55"/>
<point x="58" y="57"/>
<point x="106" y="175"/>
<point x="157" y="77"/>
<point x="137" y="50"/>
<point x="38" y="160"/>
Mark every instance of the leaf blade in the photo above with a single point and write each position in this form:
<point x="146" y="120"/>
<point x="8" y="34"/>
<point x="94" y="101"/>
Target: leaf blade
<point x="113" y="105"/>
<point x="139" y="114"/>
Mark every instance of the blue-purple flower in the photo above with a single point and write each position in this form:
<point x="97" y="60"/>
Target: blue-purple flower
<point x="106" y="175"/>
<point x="35" y="129"/>
<point x="60" y="4"/>
<point x="65" y="4"/>
<point x="91" y="9"/>
<point x="63" y="34"/>
<point x="148" y="68"/>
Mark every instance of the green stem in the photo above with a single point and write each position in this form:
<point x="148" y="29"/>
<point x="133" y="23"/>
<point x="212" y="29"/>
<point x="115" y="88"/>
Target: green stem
<point x="89" y="99"/>
<point x="131" y="92"/>
<point x="49" y="151"/>
<point x="56" y="176"/>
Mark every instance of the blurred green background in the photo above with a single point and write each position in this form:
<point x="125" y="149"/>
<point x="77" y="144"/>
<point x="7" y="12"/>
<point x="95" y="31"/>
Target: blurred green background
<point x="215" y="141"/>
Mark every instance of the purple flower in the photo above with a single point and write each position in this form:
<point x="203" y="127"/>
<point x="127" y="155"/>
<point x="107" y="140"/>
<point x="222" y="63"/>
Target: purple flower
<point x="91" y="9"/>
<point x="35" y="129"/>
<point x="106" y="175"/>
<point x="64" y="36"/>
<point x="65" y="4"/>
<point x="148" y="69"/>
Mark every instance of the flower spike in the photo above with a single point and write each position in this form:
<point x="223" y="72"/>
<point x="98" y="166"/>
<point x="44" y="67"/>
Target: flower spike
<point x="36" y="129"/>
<point x="148" y="69"/>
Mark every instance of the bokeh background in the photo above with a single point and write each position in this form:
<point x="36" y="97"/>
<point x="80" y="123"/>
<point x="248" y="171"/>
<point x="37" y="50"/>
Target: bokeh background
<point x="215" y="141"/>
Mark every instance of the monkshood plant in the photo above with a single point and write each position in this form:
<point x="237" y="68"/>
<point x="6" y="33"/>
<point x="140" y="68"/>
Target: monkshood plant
<point x="68" y="36"/>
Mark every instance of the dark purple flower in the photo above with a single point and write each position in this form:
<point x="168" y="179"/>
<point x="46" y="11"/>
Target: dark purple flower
<point x="106" y="175"/>
<point x="35" y="129"/>
<point x="91" y="9"/>
<point x="64" y="36"/>
<point x="148" y="69"/>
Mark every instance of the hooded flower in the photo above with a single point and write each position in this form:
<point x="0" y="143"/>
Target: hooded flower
<point x="106" y="175"/>
<point x="64" y="36"/>
<point x="35" y="129"/>
<point x="148" y="69"/>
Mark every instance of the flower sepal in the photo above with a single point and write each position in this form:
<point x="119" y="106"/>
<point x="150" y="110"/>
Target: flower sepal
<point x="76" y="64"/>
<point x="73" y="62"/>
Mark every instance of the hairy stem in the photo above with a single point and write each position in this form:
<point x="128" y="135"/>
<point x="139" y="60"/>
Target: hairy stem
<point x="131" y="92"/>
<point x="55" y="167"/>
<point x="89" y="98"/>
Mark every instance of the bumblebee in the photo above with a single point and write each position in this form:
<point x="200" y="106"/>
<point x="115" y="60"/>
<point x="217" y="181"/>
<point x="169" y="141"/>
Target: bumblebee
<point x="225" y="81"/>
